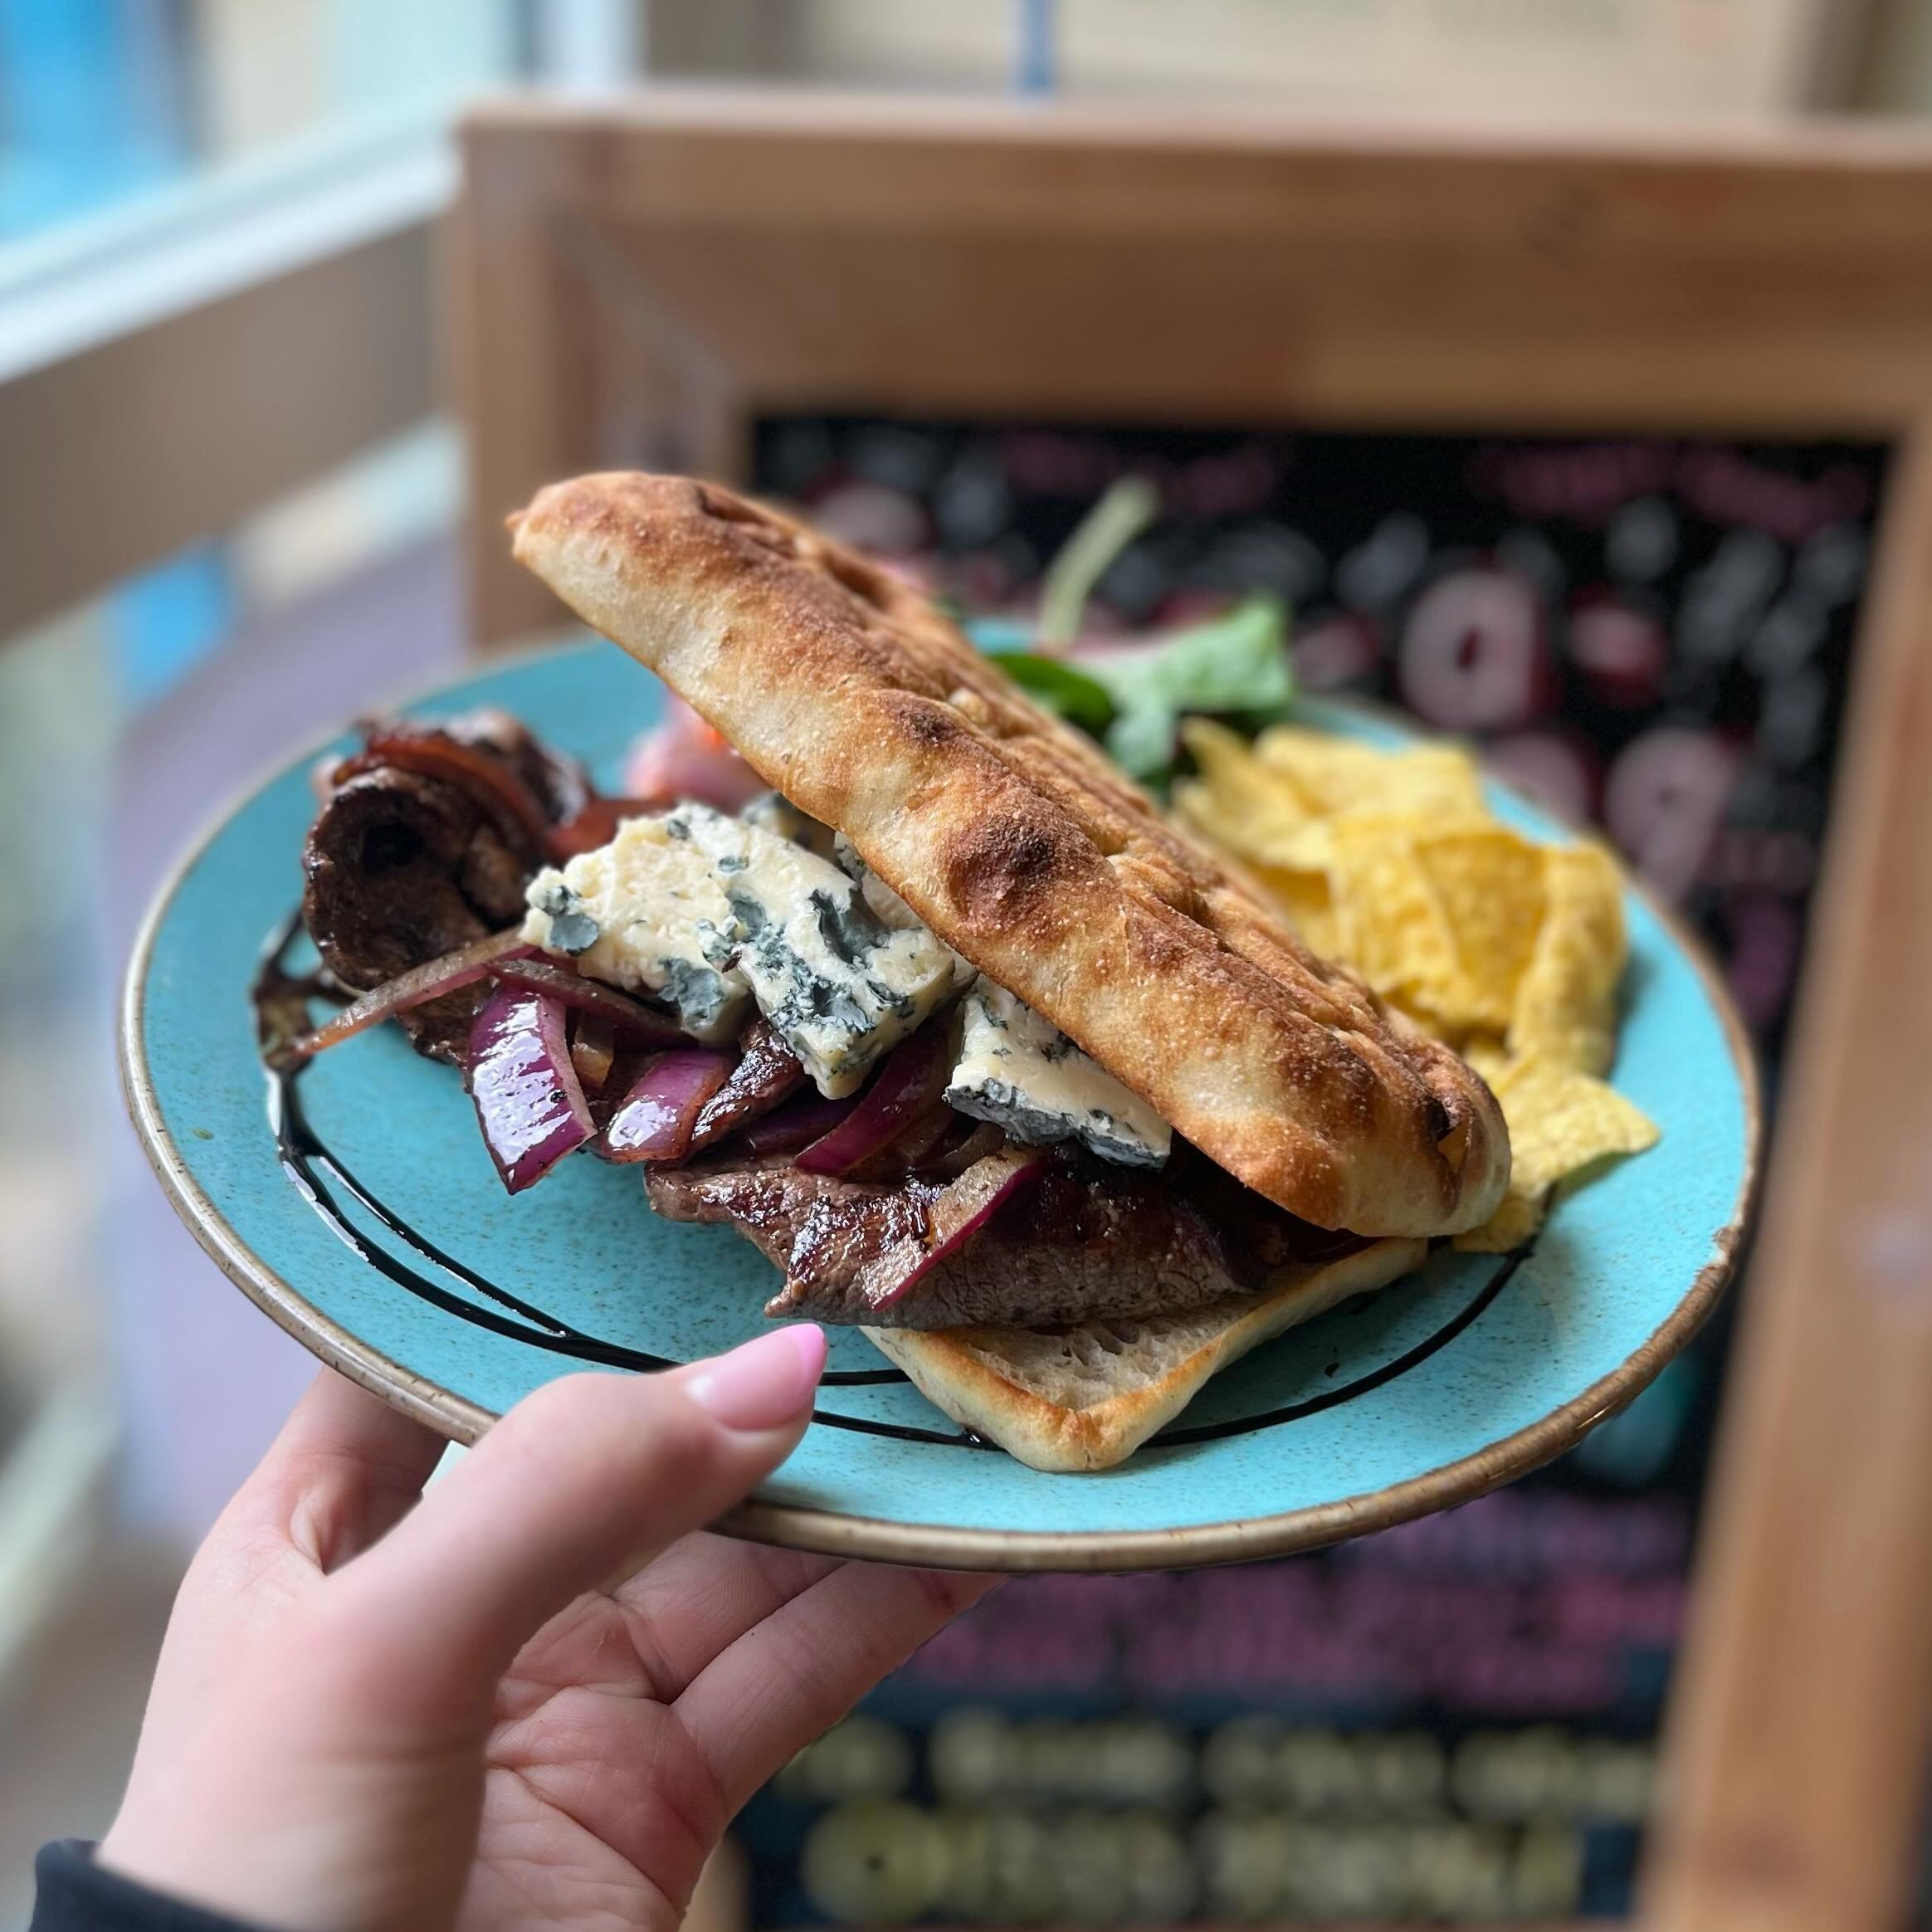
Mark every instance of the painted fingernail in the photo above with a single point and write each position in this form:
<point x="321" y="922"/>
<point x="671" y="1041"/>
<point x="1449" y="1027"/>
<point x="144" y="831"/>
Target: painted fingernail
<point x="764" y="1382"/>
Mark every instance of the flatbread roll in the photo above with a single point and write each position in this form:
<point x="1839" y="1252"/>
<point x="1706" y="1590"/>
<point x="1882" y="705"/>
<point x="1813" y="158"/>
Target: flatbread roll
<point x="1026" y="851"/>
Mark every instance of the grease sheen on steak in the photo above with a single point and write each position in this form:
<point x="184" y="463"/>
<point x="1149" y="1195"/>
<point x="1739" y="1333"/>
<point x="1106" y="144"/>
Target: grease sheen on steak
<point x="1081" y="1245"/>
<point x="768" y="1071"/>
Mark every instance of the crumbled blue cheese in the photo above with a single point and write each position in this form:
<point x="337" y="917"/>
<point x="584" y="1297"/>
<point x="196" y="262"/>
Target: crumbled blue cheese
<point x="887" y="906"/>
<point x="776" y="813"/>
<point x="837" y="984"/>
<point x="638" y="914"/>
<point x="709" y="912"/>
<point x="1020" y="1071"/>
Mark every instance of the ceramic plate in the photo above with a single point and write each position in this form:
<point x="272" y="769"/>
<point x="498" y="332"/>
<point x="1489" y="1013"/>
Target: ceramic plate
<point x="388" y="1246"/>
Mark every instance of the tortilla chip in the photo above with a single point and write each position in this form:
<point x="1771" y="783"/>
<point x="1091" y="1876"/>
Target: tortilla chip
<point x="1565" y="1009"/>
<point x="1508" y="950"/>
<point x="1562" y="1121"/>
<point x="1397" y="935"/>
<point x="1514" y="1221"/>
<point x="1489" y="881"/>
<point x="1307" y="902"/>
<point x="1333" y="774"/>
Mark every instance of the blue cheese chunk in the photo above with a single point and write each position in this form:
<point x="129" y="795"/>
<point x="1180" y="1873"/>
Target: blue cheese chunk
<point x="1021" y="1072"/>
<point x="639" y="914"/>
<point x="838" y="985"/>
<point x="777" y="813"/>
<point x="887" y="906"/>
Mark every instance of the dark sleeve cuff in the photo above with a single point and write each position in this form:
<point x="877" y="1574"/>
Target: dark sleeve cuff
<point x="74" y="1894"/>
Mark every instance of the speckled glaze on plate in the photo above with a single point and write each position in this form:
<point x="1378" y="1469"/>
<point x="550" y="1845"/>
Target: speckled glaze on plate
<point x="1469" y="1372"/>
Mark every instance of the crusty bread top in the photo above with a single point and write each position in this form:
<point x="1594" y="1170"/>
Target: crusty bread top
<point x="1025" y="849"/>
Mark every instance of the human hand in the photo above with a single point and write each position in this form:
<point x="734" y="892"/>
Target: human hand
<point x="534" y="1695"/>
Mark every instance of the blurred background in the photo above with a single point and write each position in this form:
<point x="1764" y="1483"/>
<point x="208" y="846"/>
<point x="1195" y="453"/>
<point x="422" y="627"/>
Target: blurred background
<point x="237" y="211"/>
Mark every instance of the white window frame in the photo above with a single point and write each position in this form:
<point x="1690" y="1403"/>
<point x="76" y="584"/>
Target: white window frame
<point x="166" y="369"/>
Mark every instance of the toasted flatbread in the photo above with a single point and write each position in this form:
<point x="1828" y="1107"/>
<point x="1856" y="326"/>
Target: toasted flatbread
<point x="1081" y="1399"/>
<point x="1025" y="851"/>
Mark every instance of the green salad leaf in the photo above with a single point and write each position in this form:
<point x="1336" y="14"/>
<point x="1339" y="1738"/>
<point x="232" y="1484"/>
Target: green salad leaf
<point x="1125" y="510"/>
<point x="1132" y="696"/>
<point x="1235" y="662"/>
<point x="1060" y="686"/>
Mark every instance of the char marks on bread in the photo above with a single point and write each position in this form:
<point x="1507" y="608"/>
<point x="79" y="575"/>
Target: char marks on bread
<point x="1017" y="843"/>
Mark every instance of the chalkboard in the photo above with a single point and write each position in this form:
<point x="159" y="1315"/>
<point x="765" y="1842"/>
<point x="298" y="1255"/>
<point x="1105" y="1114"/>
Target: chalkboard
<point x="1455" y="1720"/>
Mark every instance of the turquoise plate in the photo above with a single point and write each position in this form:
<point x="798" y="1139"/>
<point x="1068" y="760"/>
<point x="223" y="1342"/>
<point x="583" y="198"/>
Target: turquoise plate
<point x="1464" y="1375"/>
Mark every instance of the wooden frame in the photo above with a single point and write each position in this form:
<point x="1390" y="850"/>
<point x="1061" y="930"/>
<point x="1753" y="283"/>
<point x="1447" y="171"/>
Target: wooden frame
<point x="634" y="282"/>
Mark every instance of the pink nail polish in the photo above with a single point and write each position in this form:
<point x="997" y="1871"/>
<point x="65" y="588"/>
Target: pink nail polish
<point x="763" y="1383"/>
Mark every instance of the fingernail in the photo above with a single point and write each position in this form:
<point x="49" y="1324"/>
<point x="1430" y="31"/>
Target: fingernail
<point x="763" y="1383"/>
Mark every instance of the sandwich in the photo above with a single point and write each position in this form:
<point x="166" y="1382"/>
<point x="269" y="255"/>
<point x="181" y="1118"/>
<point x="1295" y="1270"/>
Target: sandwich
<point x="991" y="1060"/>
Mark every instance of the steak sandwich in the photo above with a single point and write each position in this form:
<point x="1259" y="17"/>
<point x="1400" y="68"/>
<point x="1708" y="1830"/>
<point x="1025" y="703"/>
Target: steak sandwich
<point x="986" y="1057"/>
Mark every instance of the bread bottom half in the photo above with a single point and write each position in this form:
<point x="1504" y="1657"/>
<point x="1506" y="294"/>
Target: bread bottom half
<point x="1071" y="1400"/>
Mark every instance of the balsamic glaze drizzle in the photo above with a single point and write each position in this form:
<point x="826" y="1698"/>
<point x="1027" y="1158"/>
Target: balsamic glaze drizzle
<point x="317" y="1175"/>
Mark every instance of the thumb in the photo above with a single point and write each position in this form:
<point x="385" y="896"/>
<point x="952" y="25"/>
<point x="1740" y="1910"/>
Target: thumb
<point x="585" y="1480"/>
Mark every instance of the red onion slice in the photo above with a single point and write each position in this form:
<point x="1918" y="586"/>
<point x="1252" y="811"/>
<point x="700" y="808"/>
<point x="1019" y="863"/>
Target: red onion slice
<point x="959" y="1210"/>
<point x="658" y="1114"/>
<point x="982" y="1138"/>
<point x="906" y="1086"/>
<point x="528" y="1104"/>
<point x="915" y="1147"/>
<point x="420" y="984"/>
<point x="630" y="1019"/>
<point x="924" y="1138"/>
<point x="787" y="1129"/>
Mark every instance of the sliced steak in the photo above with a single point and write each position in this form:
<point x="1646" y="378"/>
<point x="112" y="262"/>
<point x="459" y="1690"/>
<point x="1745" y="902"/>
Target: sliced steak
<point x="768" y="1072"/>
<point x="422" y="849"/>
<point x="560" y="783"/>
<point x="1078" y="1246"/>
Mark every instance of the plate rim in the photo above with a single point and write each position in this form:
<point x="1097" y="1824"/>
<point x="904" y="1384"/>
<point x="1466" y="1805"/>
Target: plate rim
<point x="833" y="1533"/>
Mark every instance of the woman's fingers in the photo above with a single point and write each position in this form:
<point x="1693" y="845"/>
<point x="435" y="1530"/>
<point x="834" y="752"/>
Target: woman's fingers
<point x="703" y="1594"/>
<point x="584" y="1480"/>
<point x="799" y="1672"/>
<point x="344" y="1470"/>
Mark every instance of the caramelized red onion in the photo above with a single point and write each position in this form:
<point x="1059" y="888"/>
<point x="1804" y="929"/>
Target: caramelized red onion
<point x="657" y="1117"/>
<point x="956" y="1214"/>
<point x="767" y="1073"/>
<point x="911" y="1150"/>
<point x="416" y="988"/>
<point x="787" y="1129"/>
<point x="529" y="1103"/>
<point x="905" y="1091"/>
<point x="630" y="1019"/>
<point x="970" y="1140"/>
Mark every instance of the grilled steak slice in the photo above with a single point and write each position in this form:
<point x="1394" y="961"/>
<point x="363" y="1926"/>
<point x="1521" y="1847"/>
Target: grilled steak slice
<point x="767" y="1073"/>
<point x="1080" y="1245"/>
<point x="407" y="860"/>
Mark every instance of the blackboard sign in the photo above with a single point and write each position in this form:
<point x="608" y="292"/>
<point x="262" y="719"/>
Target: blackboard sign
<point x="689" y="282"/>
<point x="1455" y="1720"/>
